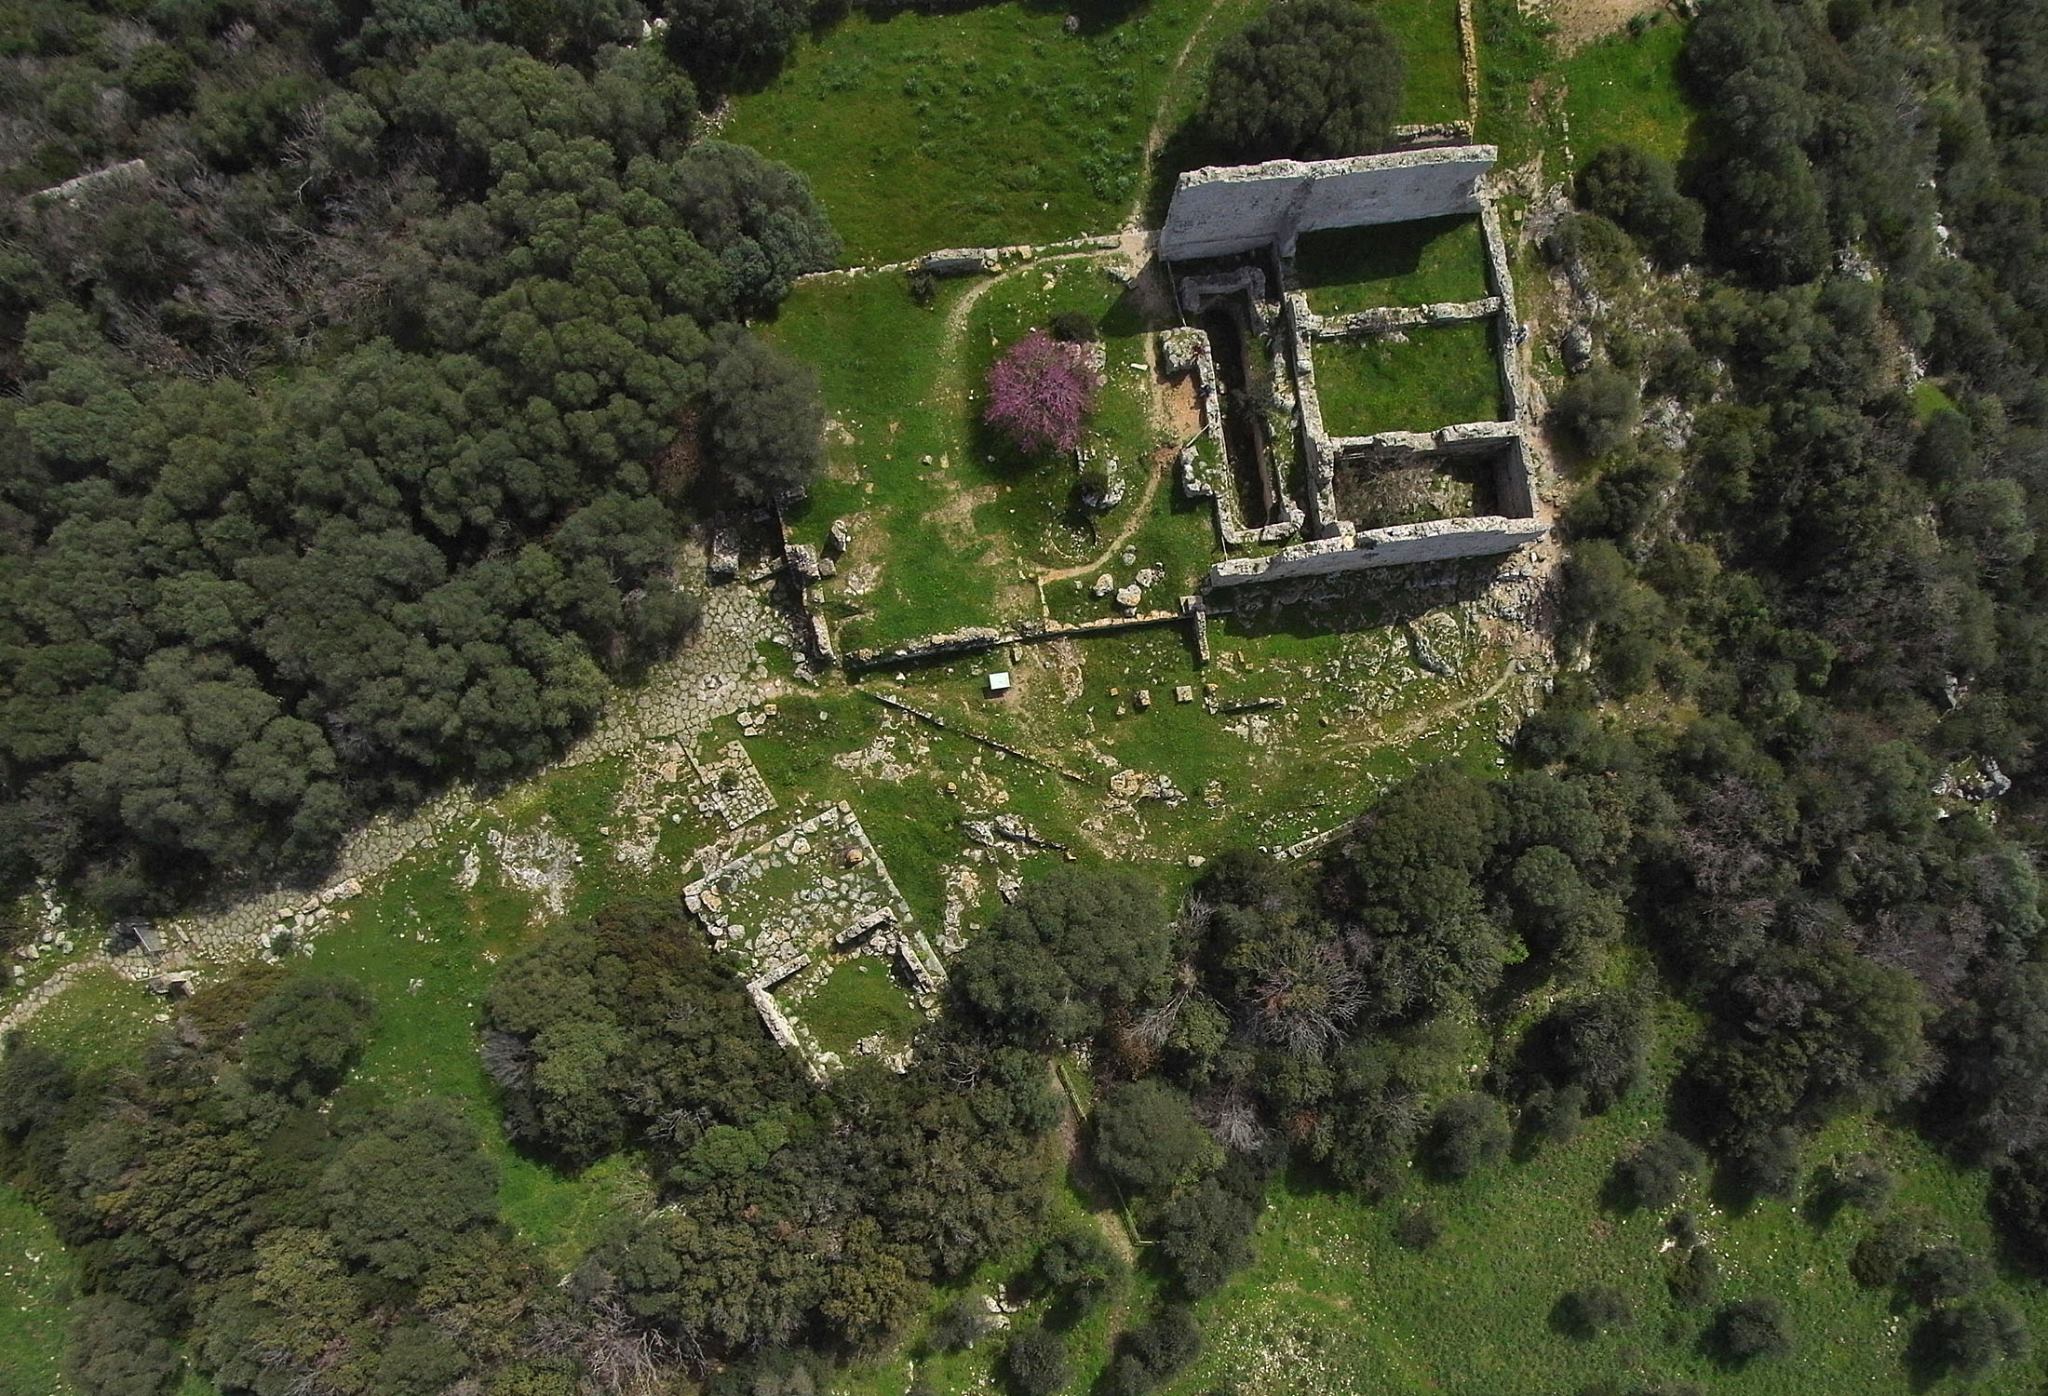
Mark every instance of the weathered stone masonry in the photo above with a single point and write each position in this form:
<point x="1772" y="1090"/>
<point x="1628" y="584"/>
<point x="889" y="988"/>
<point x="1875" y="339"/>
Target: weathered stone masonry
<point x="1224" y="212"/>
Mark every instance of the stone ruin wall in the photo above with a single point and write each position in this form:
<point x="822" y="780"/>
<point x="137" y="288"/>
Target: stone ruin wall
<point x="1438" y="540"/>
<point x="1223" y="210"/>
<point x="1502" y="439"/>
<point x="1303" y="327"/>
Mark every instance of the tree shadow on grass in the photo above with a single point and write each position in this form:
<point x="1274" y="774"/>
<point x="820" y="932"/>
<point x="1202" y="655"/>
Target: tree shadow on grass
<point x="1188" y="147"/>
<point x="1319" y="606"/>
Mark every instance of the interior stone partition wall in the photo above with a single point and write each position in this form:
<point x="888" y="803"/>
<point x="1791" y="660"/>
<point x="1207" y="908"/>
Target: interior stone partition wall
<point x="1223" y="210"/>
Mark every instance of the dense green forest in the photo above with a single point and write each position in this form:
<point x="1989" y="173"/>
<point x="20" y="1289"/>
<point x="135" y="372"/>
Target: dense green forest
<point x="349" y="444"/>
<point x="349" y="433"/>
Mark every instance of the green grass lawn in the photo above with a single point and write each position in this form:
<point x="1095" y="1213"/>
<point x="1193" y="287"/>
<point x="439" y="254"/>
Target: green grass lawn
<point x="1625" y="89"/>
<point x="994" y="126"/>
<point x="1517" y="66"/>
<point x="1930" y="399"/>
<point x="950" y="525"/>
<point x="1428" y="34"/>
<point x="859" y="996"/>
<point x="984" y="128"/>
<point x="1437" y="376"/>
<point x="1335" y="1306"/>
<point x="35" y="1275"/>
<point x="1416" y="263"/>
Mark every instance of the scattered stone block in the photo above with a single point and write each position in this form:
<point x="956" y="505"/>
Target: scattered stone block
<point x="1184" y="693"/>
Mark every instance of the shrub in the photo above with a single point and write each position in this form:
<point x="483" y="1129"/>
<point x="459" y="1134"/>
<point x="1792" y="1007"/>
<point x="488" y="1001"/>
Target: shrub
<point x="1860" y="1181"/>
<point x="303" y="1037"/>
<point x="960" y="1325"/>
<point x="1598" y="408"/>
<point x="1596" y="1309"/>
<point x="1552" y="1117"/>
<point x="159" y="78"/>
<point x="1075" y="327"/>
<point x="1695" y="1279"/>
<point x="1597" y="1043"/>
<point x="763" y="418"/>
<point x="1639" y="191"/>
<point x="1767" y="1166"/>
<point x="1310" y="80"/>
<point x="1040" y="393"/>
<point x="1943" y="1272"/>
<point x="1150" y="1353"/>
<point x="1148" y="1139"/>
<point x="1080" y="1263"/>
<point x="1654" y="1175"/>
<point x="1968" y="1340"/>
<point x="1880" y="1257"/>
<point x="2019" y="1204"/>
<point x="1036" y="1363"/>
<point x="1418" y="1229"/>
<point x="1205" y="1233"/>
<point x="1750" y="1328"/>
<point x="114" y="1350"/>
<point x="1467" y="1133"/>
<point x="727" y="43"/>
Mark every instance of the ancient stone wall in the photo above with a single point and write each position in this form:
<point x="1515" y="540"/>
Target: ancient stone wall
<point x="1435" y="541"/>
<point x="1513" y="391"/>
<point x="976" y="639"/>
<point x="1223" y="210"/>
<point x="1381" y="319"/>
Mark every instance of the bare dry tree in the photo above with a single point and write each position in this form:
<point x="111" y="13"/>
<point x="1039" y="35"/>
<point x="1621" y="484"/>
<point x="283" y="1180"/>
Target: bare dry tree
<point x="622" y="1356"/>
<point x="1233" y="1118"/>
<point x="508" y="1058"/>
<point x="1307" y="999"/>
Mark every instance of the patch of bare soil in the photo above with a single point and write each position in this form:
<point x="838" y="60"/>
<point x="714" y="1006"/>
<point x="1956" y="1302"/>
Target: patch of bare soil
<point x="1580" y="22"/>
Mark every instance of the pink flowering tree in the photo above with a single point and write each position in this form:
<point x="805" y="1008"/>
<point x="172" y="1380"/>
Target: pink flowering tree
<point x="1040" y="393"/>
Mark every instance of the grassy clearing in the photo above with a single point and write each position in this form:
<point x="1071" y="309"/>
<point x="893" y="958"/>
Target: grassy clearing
<point x="1177" y="535"/>
<point x="1416" y="263"/>
<point x="426" y="949"/>
<point x="35" y="1276"/>
<point x="950" y="525"/>
<point x="1625" y="89"/>
<point x="1516" y="61"/>
<point x="859" y="997"/>
<point x="985" y="128"/>
<point x="1930" y="399"/>
<point x="1428" y="34"/>
<point x="1437" y="376"/>
<point x="1269" y="776"/>
<point x="1335" y="1306"/>
<point x="100" y="1020"/>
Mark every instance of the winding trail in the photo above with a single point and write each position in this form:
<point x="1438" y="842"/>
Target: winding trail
<point x="1155" y="137"/>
